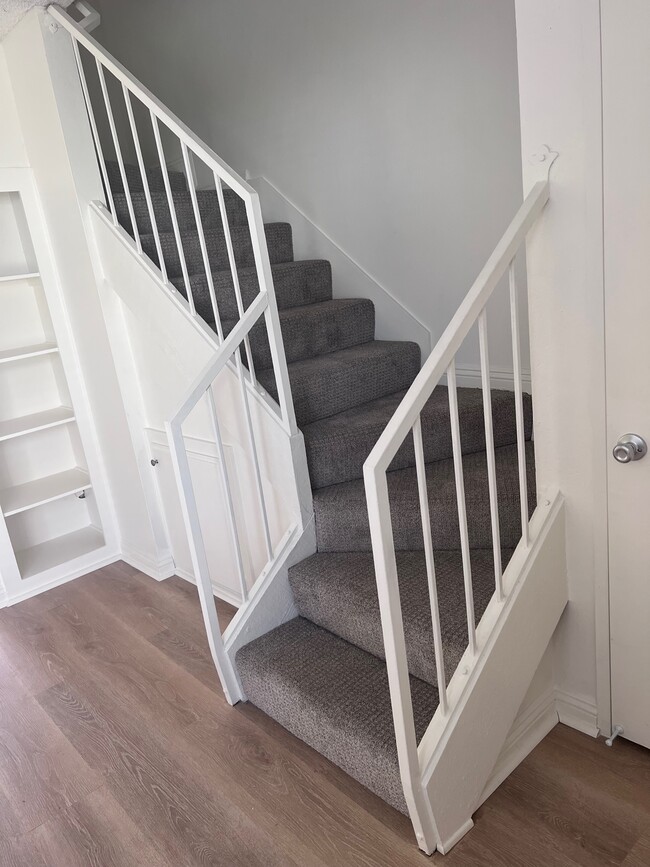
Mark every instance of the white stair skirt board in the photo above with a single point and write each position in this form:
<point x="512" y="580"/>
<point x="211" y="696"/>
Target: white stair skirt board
<point x="536" y="595"/>
<point x="529" y="730"/>
<point x="19" y="498"/>
<point x="27" y="424"/>
<point x="46" y="555"/>
<point x="21" y="352"/>
<point x="577" y="713"/>
<point x="14" y="278"/>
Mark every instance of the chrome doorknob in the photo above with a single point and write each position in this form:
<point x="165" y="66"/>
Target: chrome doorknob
<point x="630" y="447"/>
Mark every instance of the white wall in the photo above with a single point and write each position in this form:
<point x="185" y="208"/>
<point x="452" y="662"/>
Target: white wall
<point x="560" y="87"/>
<point x="12" y="146"/>
<point x="392" y="124"/>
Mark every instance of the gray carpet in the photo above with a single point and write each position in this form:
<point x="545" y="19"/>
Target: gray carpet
<point x="333" y="696"/>
<point x="337" y="591"/>
<point x="323" y="675"/>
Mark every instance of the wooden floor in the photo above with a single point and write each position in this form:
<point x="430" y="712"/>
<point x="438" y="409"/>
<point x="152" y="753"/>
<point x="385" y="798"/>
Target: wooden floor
<point x="117" y="748"/>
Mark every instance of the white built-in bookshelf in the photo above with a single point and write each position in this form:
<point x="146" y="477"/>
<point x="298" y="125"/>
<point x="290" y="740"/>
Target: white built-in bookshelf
<point x="48" y="513"/>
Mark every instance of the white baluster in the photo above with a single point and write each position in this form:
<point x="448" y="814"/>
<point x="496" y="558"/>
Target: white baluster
<point x="462" y="509"/>
<point x="232" y="518"/>
<point x="519" y="403"/>
<point x="233" y="268"/>
<point x="93" y="127"/>
<point x="489" y="451"/>
<point x="428" y="556"/>
<point x="272" y="317"/>
<point x="145" y="180"/>
<point x="199" y="227"/>
<point x="118" y="153"/>
<point x="254" y="454"/>
<point x="172" y="210"/>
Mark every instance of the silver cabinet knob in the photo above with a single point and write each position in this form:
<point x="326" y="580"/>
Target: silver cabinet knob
<point x="630" y="447"/>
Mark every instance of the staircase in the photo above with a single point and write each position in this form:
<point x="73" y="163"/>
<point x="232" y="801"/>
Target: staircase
<point x="323" y="675"/>
<point x="397" y="624"/>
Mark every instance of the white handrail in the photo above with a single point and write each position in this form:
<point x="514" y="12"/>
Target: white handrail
<point x="407" y="419"/>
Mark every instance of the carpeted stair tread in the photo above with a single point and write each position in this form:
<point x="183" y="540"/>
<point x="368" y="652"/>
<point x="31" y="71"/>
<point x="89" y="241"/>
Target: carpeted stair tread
<point x="335" y="698"/>
<point x="208" y="209"/>
<point x="338" y="592"/>
<point x="315" y="329"/>
<point x="278" y="239"/>
<point x="134" y="178"/>
<point x="338" y="446"/>
<point x="332" y="383"/>
<point x="296" y="284"/>
<point x="342" y="516"/>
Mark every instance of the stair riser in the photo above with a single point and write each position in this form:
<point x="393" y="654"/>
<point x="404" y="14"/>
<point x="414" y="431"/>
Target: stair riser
<point x="342" y="517"/>
<point x="319" y="394"/>
<point x="335" y="459"/>
<point x="278" y="238"/>
<point x="338" y="592"/>
<point x="208" y="207"/>
<point x="308" y="335"/>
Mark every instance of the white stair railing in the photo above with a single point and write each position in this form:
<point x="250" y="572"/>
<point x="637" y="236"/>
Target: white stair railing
<point x="407" y="421"/>
<point x="230" y="348"/>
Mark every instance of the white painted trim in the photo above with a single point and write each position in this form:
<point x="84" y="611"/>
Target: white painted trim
<point x="159" y="569"/>
<point x="197" y="446"/>
<point x="220" y="591"/>
<point x="529" y="730"/>
<point x="109" y="555"/>
<point x="578" y="712"/>
<point x="469" y="376"/>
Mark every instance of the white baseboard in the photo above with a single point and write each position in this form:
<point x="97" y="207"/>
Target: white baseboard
<point x="469" y="376"/>
<point x="159" y="569"/>
<point x="577" y="712"/>
<point x="531" y="728"/>
<point x="220" y="592"/>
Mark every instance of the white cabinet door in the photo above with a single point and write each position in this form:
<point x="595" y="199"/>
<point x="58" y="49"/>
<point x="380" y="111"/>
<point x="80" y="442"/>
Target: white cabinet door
<point x="217" y="535"/>
<point x="626" y="143"/>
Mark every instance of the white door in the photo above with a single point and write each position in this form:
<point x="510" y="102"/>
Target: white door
<point x="626" y="150"/>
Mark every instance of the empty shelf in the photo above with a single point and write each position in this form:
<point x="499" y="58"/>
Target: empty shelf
<point x="46" y="555"/>
<point x="14" y="278"/>
<point x="27" y="424"/>
<point x="19" y="498"/>
<point x="27" y="351"/>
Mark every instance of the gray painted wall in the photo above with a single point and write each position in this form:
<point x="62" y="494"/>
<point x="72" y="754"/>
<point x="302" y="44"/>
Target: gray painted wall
<point x="393" y="124"/>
